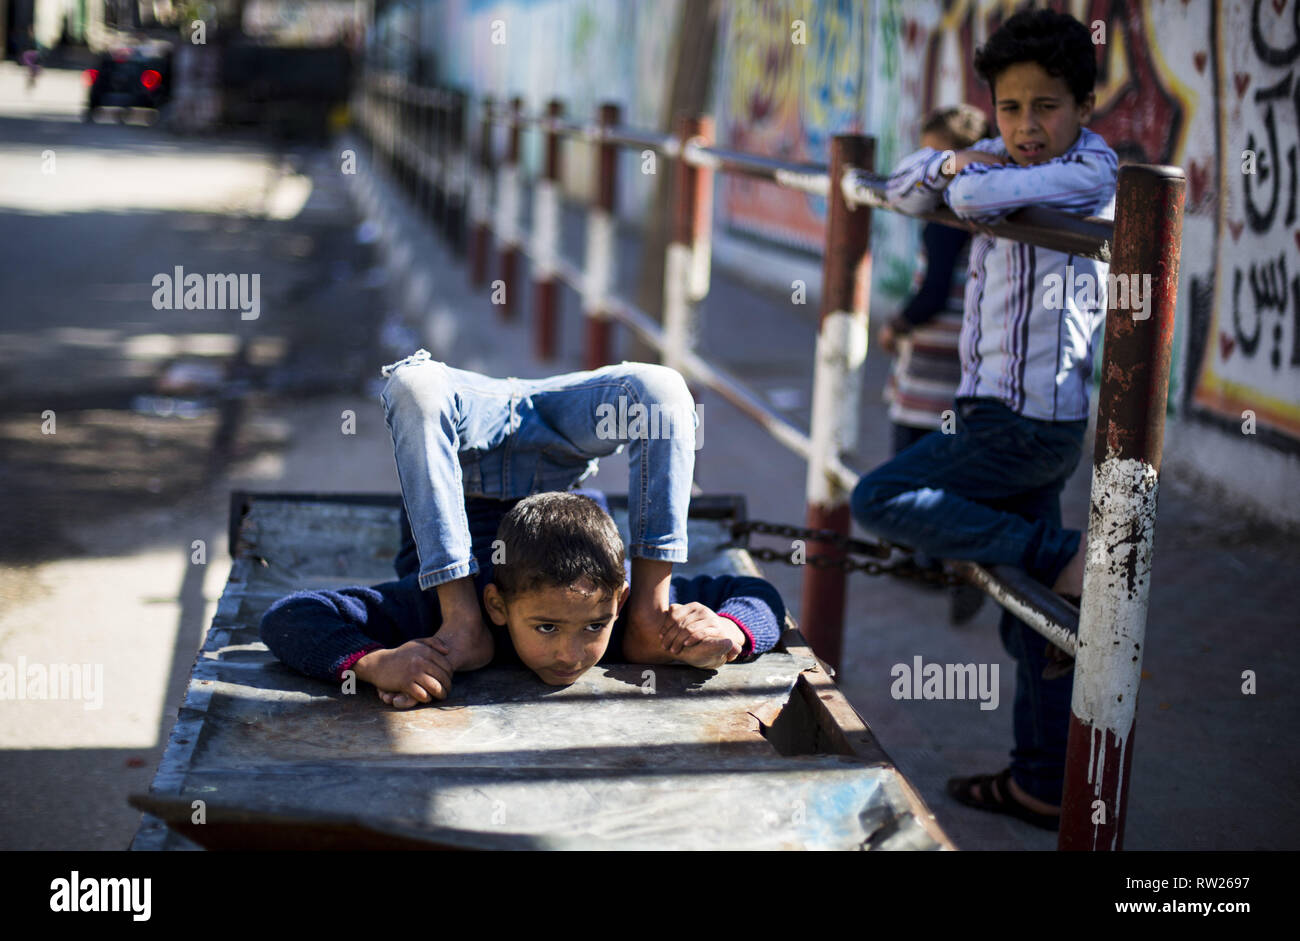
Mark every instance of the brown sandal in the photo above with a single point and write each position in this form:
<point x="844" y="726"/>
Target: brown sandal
<point x="999" y="800"/>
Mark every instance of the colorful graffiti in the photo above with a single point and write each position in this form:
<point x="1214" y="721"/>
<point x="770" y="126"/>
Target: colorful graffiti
<point x="792" y="79"/>
<point x="1252" y="357"/>
<point x="1182" y="82"/>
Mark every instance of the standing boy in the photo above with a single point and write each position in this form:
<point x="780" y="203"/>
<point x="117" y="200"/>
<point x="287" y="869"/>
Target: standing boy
<point x="991" y="491"/>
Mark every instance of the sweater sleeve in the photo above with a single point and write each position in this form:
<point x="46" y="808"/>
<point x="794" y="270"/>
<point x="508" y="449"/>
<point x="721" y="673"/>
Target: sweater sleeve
<point x="323" y="633"/>
<point x="753" y="603"/>
<point x="943" y="245"/>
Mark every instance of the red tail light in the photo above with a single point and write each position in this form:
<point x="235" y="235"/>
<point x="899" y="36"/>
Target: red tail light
<point x="88" y="77"/>
<point x="150" y="78"/>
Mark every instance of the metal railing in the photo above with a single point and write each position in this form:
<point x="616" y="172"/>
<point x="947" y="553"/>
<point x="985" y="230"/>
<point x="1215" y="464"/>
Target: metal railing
<point x="422" y="133"/>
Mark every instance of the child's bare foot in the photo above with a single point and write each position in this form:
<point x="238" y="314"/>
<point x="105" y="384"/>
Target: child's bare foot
<point x="1070" y="581"/>
<point x="642" y="642"/>
<point x="469" y="643"/>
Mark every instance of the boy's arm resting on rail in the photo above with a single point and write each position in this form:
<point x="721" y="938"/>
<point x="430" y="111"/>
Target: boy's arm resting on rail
<point x="1077" y="181"/>
<point x="918" y="182"/>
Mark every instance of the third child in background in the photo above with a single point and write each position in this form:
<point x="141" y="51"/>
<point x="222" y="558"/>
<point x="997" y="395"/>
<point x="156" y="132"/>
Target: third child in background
<point x="924" y="336"/>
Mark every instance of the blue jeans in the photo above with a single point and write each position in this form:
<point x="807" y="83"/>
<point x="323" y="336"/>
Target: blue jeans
<point x="990" y="493"/>
<point x="458" y="433"/>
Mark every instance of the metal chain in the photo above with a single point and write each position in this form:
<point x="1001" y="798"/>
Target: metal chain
<point x="881" y="550"/>
<point x="902" y="568"/>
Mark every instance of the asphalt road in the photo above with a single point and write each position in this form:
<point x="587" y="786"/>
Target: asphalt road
<point x="123" y="426"/>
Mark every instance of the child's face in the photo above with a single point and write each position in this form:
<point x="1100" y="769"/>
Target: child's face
<point x="559" y="633"/>
<point x="1037" y="115"/>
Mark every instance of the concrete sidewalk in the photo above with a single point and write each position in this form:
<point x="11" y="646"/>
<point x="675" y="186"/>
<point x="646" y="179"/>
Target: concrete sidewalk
<point x="1213" y="768"/>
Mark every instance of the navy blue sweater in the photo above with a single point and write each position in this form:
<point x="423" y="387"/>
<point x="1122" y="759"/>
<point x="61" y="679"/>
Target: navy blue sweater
<point x="323" y="633"/>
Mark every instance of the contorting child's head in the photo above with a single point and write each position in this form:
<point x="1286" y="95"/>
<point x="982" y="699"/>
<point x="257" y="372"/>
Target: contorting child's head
<point x="560" y="584"/>
<point x="954" y="128"/>
<point x="1041" y="67"/>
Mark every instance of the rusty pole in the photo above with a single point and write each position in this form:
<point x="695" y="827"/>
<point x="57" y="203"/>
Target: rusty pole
<point x="1125" y="479"/>
<point x="508" y="212"/>
<point x="686" y="271"/>
<point x="837" y="385"/>
<point x="600" y="247"/>
<point x="546" y="240"/>
<point x="480" y="198"/>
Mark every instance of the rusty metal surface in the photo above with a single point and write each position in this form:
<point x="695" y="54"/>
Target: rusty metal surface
<point x="1122" y="512"/>
<point x="507" y="761"/>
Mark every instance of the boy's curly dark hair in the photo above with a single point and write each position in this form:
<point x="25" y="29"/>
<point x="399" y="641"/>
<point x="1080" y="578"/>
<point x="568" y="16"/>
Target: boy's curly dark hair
<point x="1056" y="41"/>
<point x="555" y="539"/>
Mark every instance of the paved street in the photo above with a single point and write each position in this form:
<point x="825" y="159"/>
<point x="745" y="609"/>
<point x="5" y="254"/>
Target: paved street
<point x="158" y="414"/>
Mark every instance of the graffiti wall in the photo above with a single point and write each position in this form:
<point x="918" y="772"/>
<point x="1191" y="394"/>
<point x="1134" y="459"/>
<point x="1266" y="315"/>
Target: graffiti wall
<point x="792" y="76"/>
<point x="1207" y="85"/>
<point x="1251" y="356"/>
<point x="583" y="52"/>
<point x="1192" y="83"/>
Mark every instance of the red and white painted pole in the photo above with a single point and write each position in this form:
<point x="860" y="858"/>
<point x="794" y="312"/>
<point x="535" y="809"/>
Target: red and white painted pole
<point x="686" y="271"/>
<point x="546" y="240"/>
<point x="837" y="386"/>
<point x="480" y="199"/>
<point x="1121" y="520"/>
<point x="599" y="264"/>
<point x="508" y="202"/>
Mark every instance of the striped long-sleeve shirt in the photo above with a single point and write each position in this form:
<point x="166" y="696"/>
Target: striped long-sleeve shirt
<point x="1031" y="314"/>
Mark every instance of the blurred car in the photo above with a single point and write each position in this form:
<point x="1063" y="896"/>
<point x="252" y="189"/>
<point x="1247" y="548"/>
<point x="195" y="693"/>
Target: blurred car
<point x="130" y="77"/>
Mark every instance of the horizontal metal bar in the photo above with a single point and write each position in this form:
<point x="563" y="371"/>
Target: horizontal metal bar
<point x="1086" y="236"/>
<point x="809" y="177"/>
<point x="666" y="144"/>
<point x="1033" y="602"/>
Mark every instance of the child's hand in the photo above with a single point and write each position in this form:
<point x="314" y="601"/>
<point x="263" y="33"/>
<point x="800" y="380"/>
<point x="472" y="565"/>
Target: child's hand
<point x="694" y="634"/>
<point x="416" y="672"/>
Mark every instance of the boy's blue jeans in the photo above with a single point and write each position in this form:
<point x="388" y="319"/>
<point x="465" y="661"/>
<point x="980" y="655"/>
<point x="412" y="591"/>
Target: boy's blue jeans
<point x="458" y="433"/>
<point x="991" y="493"/>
